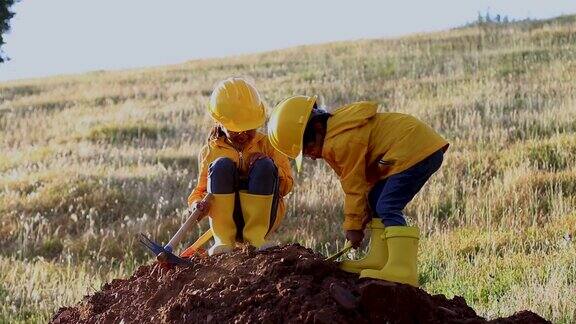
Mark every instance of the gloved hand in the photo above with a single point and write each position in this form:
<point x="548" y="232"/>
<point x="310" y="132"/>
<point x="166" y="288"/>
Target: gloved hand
<point x="355" y="237"/>
<point x="202" y="206"/>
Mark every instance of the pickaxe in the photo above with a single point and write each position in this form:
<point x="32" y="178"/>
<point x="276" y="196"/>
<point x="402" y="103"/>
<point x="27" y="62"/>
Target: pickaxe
<point x="164" y="254"/>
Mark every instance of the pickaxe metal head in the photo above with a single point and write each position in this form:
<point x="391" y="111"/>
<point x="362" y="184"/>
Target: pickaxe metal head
<point x="162" y="255"/>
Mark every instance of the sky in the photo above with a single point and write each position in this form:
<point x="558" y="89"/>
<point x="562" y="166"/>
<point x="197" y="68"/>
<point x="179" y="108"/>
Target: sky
<point x="74" y="36"/>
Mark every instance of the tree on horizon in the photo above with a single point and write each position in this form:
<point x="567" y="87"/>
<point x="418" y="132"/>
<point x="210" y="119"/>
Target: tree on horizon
<point x="5" y="15"/>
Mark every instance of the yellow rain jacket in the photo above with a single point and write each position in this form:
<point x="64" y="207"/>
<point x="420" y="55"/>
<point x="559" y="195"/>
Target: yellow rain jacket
<point x="363" y="147"/>
<point x="221" y="148"/>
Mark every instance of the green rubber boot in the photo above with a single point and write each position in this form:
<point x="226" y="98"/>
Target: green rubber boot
<point x="256" y="211"/>
<point x="402" y="265"/>
<point x="377" y="254"/>
<point x="222" y="223"/>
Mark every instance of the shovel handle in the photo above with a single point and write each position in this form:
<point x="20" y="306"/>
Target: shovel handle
<point x="192" y="219"/>
<point x="346" y="248"/>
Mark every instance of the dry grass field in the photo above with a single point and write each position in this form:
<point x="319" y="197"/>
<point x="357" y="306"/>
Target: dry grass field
<point x="88" y="161"/>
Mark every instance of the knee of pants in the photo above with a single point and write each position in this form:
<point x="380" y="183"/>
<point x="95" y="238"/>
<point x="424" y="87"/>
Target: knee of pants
<point x="263" y="168"/>
<point x="390" y="215"/>
<point x="262" y="177"/>
<point x="221" y="175"/>
<point x="374" y="195"/>
<point x="384" y="208"/>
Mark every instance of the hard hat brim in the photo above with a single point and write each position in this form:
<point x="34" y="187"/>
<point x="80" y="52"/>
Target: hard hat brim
<point x="291" y="148"/>
<point x="239" y="126"/>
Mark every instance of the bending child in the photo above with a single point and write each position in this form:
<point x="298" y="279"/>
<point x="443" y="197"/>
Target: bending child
<point x="247" y="177"/>
<point x="382" y="160"/>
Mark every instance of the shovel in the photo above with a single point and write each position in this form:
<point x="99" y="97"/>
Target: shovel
<point x="335" y="256"/>
<point x="164" y="254"/>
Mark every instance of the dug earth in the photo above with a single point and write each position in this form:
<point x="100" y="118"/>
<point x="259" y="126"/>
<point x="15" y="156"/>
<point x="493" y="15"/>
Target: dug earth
<point x="285" y="284"/>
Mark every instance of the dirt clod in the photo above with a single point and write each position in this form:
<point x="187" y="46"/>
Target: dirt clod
<point x="286" y="284"/>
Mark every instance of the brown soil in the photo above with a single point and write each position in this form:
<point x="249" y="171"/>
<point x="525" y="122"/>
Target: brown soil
<point x="287" y="284"/>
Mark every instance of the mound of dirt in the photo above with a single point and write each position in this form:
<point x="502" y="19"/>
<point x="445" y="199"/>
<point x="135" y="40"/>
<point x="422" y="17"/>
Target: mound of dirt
<point x="282" y="284"/>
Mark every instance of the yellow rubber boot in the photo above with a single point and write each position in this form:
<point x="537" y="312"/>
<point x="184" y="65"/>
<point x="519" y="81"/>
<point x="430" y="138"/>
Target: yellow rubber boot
<point x="377" y="254"/>
<point x="401" y="267"/>
<point x="256" y="212"/>
<point x="222" y="223"/>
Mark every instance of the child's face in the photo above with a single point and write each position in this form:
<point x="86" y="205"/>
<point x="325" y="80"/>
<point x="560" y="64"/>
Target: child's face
<point x="240" y="139"/>
<point x="313" y="149"/>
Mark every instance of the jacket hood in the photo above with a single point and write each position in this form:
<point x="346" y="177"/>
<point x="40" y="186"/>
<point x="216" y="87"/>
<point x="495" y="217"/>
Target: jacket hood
<point x="350" y="116"/>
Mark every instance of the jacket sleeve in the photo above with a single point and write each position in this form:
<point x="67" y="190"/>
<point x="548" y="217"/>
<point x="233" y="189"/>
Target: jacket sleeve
<point x="200" y="190"/>
<point x="284" y="173"/>
<point x="352" y="159"/>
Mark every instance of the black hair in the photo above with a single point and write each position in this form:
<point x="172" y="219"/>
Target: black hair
<point x="317" y="116"/>
<point x="216" y="132"/>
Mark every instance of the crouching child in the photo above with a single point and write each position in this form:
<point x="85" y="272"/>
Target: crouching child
<point x="382" y="161"/>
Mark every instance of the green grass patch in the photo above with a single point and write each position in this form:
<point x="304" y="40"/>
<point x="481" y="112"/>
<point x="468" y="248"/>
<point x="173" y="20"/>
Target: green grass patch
<point x="128" y="133"/>
<point x="553" y="154"/>
<point x="178" y="161"/>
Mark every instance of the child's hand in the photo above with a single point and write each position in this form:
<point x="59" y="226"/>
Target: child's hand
<point x="355" y="237"/>
<point x="255" y="157"/>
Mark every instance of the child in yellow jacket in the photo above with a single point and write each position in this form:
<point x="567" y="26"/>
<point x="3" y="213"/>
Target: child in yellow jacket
<point x="382" y="160"/>
<point x="245" y="174"/>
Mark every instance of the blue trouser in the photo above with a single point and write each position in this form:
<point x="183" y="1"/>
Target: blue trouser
<point x="224" y="178"/>
<point x="389" y="197"/>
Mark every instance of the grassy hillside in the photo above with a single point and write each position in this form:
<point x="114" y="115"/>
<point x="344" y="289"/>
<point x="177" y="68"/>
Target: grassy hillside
<point x="90" y="160"/>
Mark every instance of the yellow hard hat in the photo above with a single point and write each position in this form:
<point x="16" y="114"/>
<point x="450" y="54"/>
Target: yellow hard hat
<point x="287" y="124"/>
<point x="236" y="105"/>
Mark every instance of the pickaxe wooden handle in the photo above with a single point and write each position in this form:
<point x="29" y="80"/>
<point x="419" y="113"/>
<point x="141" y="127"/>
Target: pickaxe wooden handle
<point x="192" y="220"/>
<point x="164" y="254"/>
